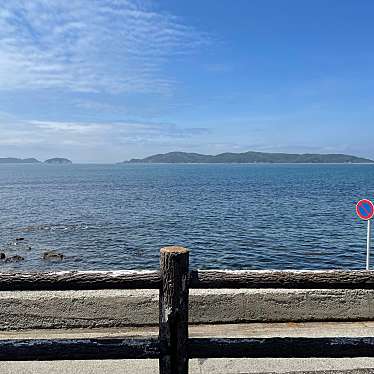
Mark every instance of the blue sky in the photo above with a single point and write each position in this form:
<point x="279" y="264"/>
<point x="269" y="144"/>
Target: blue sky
<point x="108" y="80"/>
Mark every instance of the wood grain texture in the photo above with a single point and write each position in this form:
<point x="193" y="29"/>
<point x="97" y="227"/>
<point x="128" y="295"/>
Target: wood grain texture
<point x="94" y="280"/>
<point x="79" y="280"/>
<point x="174" y="310"/>
<point x="282" y="279"/>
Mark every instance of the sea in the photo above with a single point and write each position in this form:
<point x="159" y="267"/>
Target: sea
<point x="231" y="216"/>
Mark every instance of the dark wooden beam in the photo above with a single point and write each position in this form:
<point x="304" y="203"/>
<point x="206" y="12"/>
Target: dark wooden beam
<point x="308" y="279"/>
<point x="117" y="348"/>
<point x="78" y="349"/>
<point x="80" y="280"/>
<point x="94" y="280"/>
<point x="281" y="348"/>
<point x="174" y="310"/>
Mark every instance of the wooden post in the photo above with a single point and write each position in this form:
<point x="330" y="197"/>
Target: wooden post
<point x="173" y="333"/>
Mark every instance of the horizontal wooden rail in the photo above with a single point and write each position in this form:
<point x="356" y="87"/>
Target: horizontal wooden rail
<point x="281" y="348"/>
<point x="209" y="279"/>
<point x="117" y="348"/>
<point x="79" y="280"/>
<point x="78" y="349"/>
<point x="292" y="279"/>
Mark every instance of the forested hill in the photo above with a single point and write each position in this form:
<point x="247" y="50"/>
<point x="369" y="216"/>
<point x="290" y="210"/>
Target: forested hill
<point x="250" y="157"/>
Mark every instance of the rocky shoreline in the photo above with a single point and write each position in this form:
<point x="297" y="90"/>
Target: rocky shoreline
<point x="22" y="245"/>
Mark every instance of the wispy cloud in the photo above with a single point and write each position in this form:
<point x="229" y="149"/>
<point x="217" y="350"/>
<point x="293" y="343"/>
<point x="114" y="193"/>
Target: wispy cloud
<point x="90" y="134"/>
<point x="90" y="45"/>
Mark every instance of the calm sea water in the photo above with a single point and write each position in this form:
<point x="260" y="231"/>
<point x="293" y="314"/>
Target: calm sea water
<point x="230" y="216"/>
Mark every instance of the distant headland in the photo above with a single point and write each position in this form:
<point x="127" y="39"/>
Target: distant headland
<point x="58" y="161"/>
<point x="14" y="160"/>
<point x="250" y="158"/>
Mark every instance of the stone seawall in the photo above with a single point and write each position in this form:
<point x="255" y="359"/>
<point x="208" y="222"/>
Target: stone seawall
<point x="111" y="308"/>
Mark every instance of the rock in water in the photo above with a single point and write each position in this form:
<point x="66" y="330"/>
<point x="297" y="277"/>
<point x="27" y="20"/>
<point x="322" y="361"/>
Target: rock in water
<point x="2" y="255"/>
<point x="53" y="255"/>
<point x="15" y="258"/>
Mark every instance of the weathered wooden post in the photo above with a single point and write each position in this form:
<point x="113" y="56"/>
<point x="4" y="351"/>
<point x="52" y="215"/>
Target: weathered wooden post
<point x="174" y="310"/>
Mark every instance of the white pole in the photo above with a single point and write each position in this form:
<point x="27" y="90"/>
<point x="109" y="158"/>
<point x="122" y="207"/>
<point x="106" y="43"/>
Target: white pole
<point x="368" y="246"/>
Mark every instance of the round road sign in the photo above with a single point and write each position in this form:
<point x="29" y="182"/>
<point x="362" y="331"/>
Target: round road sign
<point x="365" y="209"/>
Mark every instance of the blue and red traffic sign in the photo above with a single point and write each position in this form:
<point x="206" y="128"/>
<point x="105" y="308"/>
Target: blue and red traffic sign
<point x="365" y="209"/>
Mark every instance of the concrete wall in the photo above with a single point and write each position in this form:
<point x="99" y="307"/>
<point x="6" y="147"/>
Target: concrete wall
<point x="110" y="308"/>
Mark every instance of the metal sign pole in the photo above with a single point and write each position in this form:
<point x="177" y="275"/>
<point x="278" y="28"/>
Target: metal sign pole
<point x="368" y="246"/>
<point x="365" y="210"/>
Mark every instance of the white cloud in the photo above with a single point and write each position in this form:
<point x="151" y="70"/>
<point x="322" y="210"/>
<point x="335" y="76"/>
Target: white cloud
<point x="119" y="140"/>
<point x="49" y="134"/>
<point x="68" y="128"/>
<point x="89" y="45"/>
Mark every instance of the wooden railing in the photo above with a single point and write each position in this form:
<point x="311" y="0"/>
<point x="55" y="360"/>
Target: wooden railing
<point x="173" y="348"/>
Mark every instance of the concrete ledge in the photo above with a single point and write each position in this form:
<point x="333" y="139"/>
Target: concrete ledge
<point x="209" y="366"/>
<point x="231" y="330"/>
<point x="116" y="308"/>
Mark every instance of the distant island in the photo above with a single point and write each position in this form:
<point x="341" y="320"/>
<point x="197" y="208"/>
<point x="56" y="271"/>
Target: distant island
<point x="58" y="161"/>
<point x="250" y="158"/>
<point x="14" y="160"/>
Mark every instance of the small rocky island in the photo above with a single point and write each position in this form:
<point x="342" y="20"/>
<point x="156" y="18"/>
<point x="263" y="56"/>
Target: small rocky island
<point x="58" y="161"/>
<point x="14" y="160"/>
